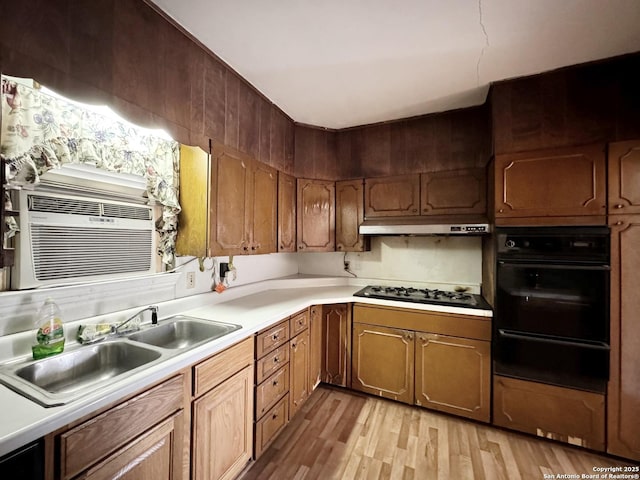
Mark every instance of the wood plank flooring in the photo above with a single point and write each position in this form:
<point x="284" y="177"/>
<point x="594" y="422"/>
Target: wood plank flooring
<point x="340" y="434"/>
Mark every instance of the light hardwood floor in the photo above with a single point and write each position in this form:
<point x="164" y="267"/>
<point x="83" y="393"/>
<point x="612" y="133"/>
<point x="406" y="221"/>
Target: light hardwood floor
<point x="344" y="435"/>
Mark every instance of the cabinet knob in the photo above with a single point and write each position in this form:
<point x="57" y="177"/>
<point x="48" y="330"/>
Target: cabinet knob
<point x="619" y="222"/>
<point x="300" y="247"/>
<point x="281" y="247"/>
<point x="339" y="247"/>
<point x="619" y="205"/>
<point x="254" y="247"/>
<point x="245" y="248"/>
<point x="276" y="359"/>
<point x="501" y="210"/>
<point x="414" y="210"/>
<point x="275" y="415"/>
<point x="275" y="383"/>
<point x="294" y="345"/>
<point x="275" y="337"/>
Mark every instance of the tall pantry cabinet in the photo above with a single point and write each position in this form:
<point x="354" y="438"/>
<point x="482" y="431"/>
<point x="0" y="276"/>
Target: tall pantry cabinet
<point x="623" y="404"/>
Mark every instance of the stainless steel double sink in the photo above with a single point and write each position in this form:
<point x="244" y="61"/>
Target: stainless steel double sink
<point x="83" y="369"/>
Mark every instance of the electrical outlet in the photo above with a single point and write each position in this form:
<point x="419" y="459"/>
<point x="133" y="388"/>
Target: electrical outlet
<point x="347" y="265"/>
<point x="191" y="279"/>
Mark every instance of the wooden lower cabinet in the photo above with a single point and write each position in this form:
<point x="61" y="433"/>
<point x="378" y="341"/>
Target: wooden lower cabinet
<point x="623" y="402"/>
<point x="146" y="438"/>
<point x="299" y="367"/>
<point x="315" y="346"/>
<point x="151" y="456"/>
<point x="271" y="424"/>
<point x="453" y="375"/>
<point x="383" y="361"/>
<point x="223" y="437"/>
<point x="559" y="413"/>
<point x="440" y="369"/>
<point x="336" y="344"/>
<point x="223" y="416"/>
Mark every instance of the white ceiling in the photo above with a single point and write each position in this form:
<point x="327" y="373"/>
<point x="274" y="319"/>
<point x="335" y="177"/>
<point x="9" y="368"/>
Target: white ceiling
<point x="340" y="63"/>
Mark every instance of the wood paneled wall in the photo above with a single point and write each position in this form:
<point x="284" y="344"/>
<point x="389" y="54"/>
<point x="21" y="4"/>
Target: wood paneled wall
<point x="443" y="141"/>
<point x="584" y="104"/>
<point x="127" y="55"/>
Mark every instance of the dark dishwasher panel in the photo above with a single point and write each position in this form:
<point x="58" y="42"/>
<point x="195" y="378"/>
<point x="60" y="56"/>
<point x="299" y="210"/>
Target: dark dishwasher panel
<point x="26" y="463"/>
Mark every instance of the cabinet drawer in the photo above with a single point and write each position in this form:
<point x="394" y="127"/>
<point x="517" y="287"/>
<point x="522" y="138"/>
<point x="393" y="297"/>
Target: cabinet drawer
<point x="272" y="362"/>
<point x="221" y="366"/>
<point x="299" y="322"/>
<point x="271" y="390"/>
<point x="93" y="440"/>
<point x="268" y="428"/>
<point x="542" y="410"/>
<point x="272" y="338"/>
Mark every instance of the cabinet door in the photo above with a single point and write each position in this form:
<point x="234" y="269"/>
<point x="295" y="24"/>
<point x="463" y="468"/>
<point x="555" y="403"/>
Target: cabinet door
<point x="286" y="213"/>
<point x="193" y="220"/>
<point x="336" y="344"/>
<point x="624" y="177"/>
<point x="299" y="371"/>
<point x="316" y="216"/>
<point x="623" y="401"/>
<point x="383" y="362"/>
<point x="454" y="192"/>
<point x="152" y="456"/>
<point x="349" y="216"/>
<point x="229" y="202"/>
<point x="453" y="375"/>
<point x="263" y="191"/>
<point x="315" y="346"/>
<point x="392" y="196"/>
<point x="563" y="183"/>
<point x="223" y="428"/>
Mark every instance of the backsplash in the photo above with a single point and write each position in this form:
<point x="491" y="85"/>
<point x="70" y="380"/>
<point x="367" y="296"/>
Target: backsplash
<point x="435" y="260"/>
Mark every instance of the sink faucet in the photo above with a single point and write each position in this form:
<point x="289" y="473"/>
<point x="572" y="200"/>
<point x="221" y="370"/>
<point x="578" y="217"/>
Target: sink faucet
<point x="154" y="317"/>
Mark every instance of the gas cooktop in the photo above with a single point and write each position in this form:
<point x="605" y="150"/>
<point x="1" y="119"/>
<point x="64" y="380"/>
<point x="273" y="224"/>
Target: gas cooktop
<point x="424" y="295"/>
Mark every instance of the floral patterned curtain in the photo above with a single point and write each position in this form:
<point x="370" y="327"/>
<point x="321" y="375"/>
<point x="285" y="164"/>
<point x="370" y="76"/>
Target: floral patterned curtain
<point x="41" y="132"/>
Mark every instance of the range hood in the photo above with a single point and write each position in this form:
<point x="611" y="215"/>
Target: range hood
<point x="426" y="225"/>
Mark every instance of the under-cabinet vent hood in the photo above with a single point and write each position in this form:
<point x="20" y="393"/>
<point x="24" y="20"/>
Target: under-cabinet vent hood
<point x="425" y="225"/>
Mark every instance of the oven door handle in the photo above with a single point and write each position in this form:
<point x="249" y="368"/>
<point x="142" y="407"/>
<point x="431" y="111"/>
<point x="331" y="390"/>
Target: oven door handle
<point x="554" y="266"/>
<point x="557" y="341"/>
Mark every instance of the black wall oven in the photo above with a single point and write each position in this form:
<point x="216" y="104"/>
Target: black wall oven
<point x="552" y="305"/>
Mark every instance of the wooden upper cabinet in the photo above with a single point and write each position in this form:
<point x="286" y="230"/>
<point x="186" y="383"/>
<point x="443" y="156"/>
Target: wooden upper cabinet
<point x="193" y="220"/>
<point x="556" y="186"/>
<point x="392" y="196"/>
<point x="624" y="177"/>
<point x="316" y="215"/>
<point x="349" y="216"/>
<point x="286" y="213"/>
<point x="230" y="201"/>
<point x="263" y="214"/>
<point x="453" y="192"/>
<point x="243" y="204"/>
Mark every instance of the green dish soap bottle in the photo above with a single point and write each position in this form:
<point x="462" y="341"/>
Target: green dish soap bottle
<point x="50" y="335"/>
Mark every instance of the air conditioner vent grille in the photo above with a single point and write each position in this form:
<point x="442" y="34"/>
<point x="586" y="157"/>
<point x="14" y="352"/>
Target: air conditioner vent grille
<point x="72" y="206"/>
<point x="69" y="252"/>
<point x="126" y="211"/>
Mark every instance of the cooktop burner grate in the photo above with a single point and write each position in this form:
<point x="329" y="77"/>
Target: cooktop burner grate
<point x="423" y="295"/>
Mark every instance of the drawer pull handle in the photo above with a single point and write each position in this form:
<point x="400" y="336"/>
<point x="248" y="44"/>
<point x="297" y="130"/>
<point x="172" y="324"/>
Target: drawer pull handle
<point x="275" y="415"/>
<point x="275" y="383"/>
<point x="276" y="359"/>
<point x="275" y="337"/>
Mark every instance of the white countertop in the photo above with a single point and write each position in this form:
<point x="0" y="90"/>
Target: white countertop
<point x="254" y="307"/>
